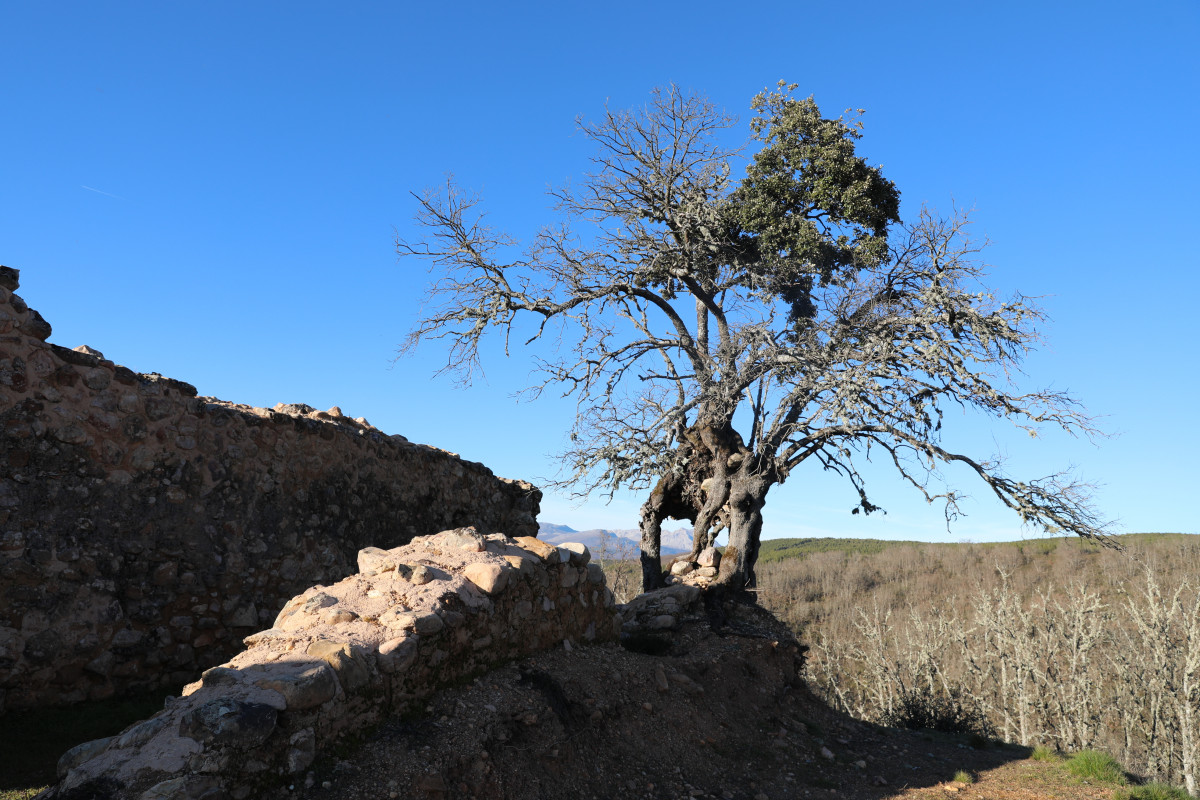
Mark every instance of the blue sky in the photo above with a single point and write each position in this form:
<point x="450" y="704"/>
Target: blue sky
<point x="211" y="191"/>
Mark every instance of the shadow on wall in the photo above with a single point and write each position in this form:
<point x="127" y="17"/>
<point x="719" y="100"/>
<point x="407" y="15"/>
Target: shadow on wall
<point x="145" y="530"/>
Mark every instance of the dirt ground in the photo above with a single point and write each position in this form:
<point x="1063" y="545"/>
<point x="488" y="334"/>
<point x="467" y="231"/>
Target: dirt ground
<point x="697" y="713"/>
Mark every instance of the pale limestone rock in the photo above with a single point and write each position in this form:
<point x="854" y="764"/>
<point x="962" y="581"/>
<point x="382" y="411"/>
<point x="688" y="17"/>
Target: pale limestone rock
<point x="416" y="574"/>
<point x="580" y="555"/>
<point x="398" y="618"/>
<point x="336" y="616"/>
<point x="373" y="559"/>
<point x="547" y="552"/>
<point x="490" y="578"/>
<point x="304" y="687"/>
<point x="351" y="672"/>
<point x="709" y="557"/>
<point x="467" y="539"/>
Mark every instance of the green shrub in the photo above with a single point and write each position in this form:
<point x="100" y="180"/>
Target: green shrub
<point x="1045" y="547"/>
<point x="962" y="776"/>
<point x="1097" y="766"/>
<point x="1151" y="791"/>
<point x="1043" y="753"/>
<point x="922" y="709"/>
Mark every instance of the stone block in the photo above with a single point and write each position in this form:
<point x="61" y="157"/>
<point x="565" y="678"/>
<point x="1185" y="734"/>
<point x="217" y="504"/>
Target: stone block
<point x="490" y="578"/>
<point x="547" y="552"/>
<point x="374" y="559"/>
<point x="579" y="553"/>
<point x="352" y="673"/>
<point x="302" y="686"/>
<point x="229" y="722"/>
<point x="709" y="557"/>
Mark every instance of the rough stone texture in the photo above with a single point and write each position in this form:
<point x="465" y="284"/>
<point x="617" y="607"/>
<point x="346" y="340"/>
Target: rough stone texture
<point x="341" y="658"/>
<point x="662" y="609"/>
<point x="144" y="530"/>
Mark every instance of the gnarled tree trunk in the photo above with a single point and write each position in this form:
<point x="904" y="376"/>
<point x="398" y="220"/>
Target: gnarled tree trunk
<point x="651" y="525"/>
<point x="747" y="495"/>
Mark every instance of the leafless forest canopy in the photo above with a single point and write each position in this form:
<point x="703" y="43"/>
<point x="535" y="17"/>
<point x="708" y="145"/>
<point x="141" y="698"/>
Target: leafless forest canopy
<point x="1059" y="642"/>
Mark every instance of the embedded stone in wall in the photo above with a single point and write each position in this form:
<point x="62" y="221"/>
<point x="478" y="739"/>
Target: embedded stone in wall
<point x="341" y="658"/>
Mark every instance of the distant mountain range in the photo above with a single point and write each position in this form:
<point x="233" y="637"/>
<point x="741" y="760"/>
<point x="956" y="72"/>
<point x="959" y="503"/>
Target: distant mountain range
<point x="624" y="543"/>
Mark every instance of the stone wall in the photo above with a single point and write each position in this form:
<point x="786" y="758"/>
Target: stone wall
<point x="341" y="658"/>
<point x="144" y="530"/>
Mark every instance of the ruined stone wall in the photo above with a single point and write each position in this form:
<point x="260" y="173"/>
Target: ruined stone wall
<point x="144" y="530"/>
<point x="342" y="658"/>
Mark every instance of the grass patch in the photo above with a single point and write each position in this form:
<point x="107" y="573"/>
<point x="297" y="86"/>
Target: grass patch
<point x="1151" y="791"/>
<point x="32" y="741"/>
<point x="1043" y="753"/>
<point x="1097" y="766"/>
<point x="962" y="776"/>
<point x="19" y="794"/>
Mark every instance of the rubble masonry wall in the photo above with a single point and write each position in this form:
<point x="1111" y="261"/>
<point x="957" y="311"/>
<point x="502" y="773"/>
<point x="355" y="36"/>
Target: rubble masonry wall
<point x="144" y="531"/>
<point x="341" y="658"/>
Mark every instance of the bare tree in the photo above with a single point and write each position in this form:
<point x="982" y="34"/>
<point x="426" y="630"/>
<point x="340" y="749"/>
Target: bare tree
<point x="1109" y="658"/>
<point x="792" y="301"/>
<point x="618" y="558"/>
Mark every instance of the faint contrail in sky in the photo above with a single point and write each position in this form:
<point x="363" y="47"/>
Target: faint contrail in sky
<point x="97" y="191"/>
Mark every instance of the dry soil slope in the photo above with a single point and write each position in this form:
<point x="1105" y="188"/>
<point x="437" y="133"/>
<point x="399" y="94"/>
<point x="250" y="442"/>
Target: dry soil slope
<point x="705" y="713"/>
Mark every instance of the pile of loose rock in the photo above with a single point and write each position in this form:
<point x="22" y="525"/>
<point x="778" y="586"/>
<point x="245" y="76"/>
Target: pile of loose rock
<point x="660" y="610"/>
<point x="341" y="658"/>
<point x="701" y="572"/>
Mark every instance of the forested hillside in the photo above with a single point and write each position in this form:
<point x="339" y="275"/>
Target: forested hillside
<point x="1055" y="642"/>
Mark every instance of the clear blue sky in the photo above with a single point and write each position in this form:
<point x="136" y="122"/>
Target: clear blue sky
<point x="210" y="191"/>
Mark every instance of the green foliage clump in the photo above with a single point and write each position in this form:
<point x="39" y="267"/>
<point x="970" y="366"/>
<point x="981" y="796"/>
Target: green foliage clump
<point x="1151" y="791"/>
<point x="1097" y="766"/>
<point x="962" y="776"/>
<point x="1043" y="753"/>
<point x="1045" y="547"/>
<point x="922" y="709"/>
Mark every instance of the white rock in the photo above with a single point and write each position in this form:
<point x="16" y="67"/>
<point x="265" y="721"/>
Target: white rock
<point x="579" y="554"/>
<point x="490" y="578"/>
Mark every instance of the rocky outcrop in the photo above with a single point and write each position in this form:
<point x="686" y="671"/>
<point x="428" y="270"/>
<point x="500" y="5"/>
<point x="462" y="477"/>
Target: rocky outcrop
<point x="144" y="530"/>
<point x="341" y="658"/>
